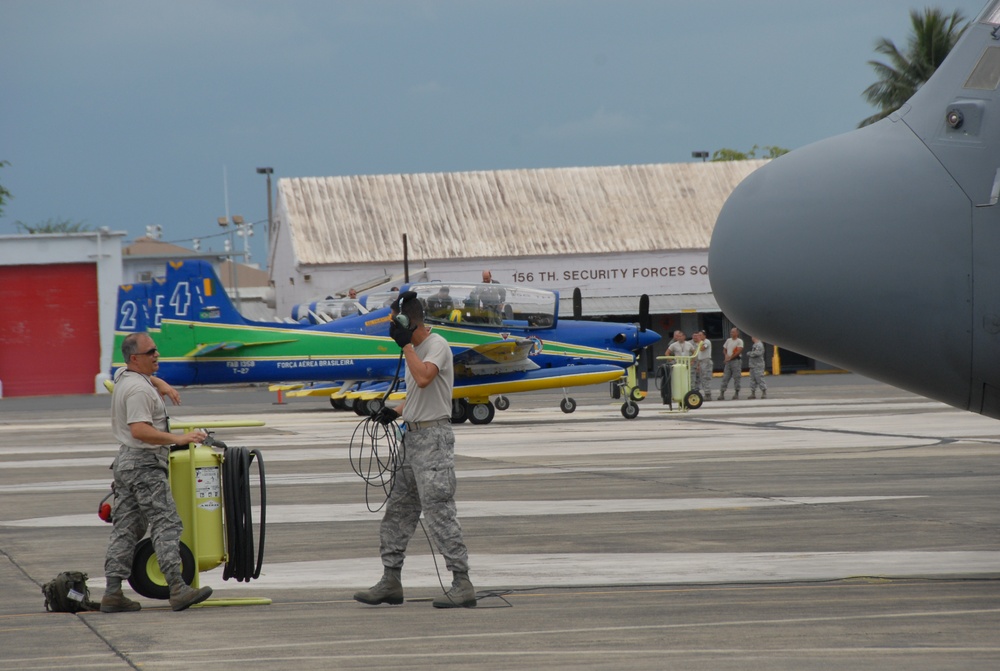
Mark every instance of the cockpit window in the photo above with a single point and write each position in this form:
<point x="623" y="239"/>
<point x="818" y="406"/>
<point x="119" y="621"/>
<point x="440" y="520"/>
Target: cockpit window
<point x="986" y="75"/>
<point x="991" y="14"/>
<point x="379" y="299"/>
<point x="487" y="304"/>
<point x="326" y="310"/>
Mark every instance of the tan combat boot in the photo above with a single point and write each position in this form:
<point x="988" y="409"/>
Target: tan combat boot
<point x="183" y="596"/>
<point x="117" y="602"/>
<point x="387" y="590"/>
<point x="461" y="595"/>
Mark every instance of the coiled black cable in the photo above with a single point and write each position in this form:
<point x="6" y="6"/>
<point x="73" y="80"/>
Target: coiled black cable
<point x="376" y="454"/>
<point x="238" y="514"/>
<point x="379" y="449"/>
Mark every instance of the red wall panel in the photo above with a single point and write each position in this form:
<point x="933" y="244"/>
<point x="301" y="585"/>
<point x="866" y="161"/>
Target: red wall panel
<point x="49" y="329"/>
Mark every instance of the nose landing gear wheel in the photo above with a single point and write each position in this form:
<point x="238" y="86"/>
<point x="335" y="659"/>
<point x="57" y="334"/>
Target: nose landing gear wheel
<point x="482" y="413"/>
<point x="630" y="410"/>
<point x="147" y="579"/>
<point x="501" y="403"/>
<point x="567" y="405"/>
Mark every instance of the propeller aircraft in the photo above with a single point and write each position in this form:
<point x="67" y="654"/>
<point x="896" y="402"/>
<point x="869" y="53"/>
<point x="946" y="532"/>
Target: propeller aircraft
<point x="501" y="347"/>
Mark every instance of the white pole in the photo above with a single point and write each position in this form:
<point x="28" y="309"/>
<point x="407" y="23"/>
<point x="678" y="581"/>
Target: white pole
<point x="232" y="241"/>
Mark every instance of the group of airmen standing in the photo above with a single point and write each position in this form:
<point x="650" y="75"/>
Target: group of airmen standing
<point x="702" y="365"/>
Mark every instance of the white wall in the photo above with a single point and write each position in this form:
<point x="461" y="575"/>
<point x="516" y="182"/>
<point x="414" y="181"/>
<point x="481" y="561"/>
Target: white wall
<point x="597" y="276"/>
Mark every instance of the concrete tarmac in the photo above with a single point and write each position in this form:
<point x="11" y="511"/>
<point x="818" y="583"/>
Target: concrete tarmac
<point x="839" y="524"/>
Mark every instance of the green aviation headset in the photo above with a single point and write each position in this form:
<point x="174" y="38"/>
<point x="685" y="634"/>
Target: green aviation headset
<point x="402" y="320"/>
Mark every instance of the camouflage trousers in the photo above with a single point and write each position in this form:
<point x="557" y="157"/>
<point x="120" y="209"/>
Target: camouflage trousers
<point x="425" y="482"/>
<point x="757" y="378"/>
<point x="703" y="376"/>
<point x="143" y="500"/>
<point x="734" y="370"/>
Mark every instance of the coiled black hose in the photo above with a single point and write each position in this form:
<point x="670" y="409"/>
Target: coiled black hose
<point x="238" y="515"/>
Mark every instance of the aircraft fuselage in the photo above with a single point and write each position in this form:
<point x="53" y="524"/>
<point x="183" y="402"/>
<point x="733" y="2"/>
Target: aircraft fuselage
<point x="876" y="250"/>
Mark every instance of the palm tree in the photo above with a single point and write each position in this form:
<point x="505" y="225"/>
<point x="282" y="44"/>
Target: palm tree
<point x="933" y="36"/>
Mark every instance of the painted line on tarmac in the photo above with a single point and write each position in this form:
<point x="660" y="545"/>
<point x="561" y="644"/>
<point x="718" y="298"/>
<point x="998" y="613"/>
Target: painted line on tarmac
<point x="353" y="512"/>
<point x="524" y="571"/>
<point x="590" y="442"/>
<point x="282" y="479"/>
<point x="313" y="454"/>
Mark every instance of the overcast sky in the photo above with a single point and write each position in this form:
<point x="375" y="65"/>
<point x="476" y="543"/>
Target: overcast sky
<point x="128" y="113"/>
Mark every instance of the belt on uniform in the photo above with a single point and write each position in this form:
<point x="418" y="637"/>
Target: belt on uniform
<point x="416" y="426"/>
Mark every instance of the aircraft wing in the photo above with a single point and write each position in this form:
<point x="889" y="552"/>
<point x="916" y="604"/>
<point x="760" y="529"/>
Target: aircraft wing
<point x="366" y="391"/>
<point x="229" y="346"/>
<point x="495" y="358"/>
<point x="507" y="383"/>
<point x="302" y="390"/>
<point x="535" y="380"/>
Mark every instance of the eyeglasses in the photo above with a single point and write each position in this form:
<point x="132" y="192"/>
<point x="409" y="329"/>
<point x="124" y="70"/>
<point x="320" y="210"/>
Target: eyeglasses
<point x="148" y="353"/>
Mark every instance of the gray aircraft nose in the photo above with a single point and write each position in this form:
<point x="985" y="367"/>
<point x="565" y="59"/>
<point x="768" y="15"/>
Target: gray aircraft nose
<point x="837" y="250"/>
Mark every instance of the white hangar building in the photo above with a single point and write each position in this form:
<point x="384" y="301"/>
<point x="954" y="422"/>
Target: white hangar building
<point x="614" y="232"/>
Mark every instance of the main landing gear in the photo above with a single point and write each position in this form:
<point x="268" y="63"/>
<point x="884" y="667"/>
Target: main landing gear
<point x="475" y="412"/>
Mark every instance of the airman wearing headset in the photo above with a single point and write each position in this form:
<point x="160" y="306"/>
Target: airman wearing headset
<point x="426" y="480"/>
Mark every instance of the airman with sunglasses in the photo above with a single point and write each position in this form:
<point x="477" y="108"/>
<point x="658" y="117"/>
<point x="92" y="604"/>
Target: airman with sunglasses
<point x="142" y="492"/>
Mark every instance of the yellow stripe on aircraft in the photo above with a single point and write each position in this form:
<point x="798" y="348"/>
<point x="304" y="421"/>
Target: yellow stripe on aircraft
<point x="516" y="386"/>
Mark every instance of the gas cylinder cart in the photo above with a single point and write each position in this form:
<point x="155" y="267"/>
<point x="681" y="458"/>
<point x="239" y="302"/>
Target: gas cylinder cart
<point x="673" y="376"/>
<point x="210" y="483"/>
<point x="627" y="387"/>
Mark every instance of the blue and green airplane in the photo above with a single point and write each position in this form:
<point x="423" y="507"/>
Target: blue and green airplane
<point x="505" y="339"/>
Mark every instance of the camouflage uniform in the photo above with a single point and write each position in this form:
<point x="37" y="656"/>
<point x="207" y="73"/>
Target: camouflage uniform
<point x="756" y="359"/>
<point x="142" y="492"/>
<point x="143" y="499"/>
<point x="703" y="369"/>
<point x="732" y="369"/>
<point x="426" y="480"/>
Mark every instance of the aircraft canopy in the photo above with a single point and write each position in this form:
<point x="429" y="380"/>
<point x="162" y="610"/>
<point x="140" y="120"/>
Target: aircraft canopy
<point x="488" y="304"/>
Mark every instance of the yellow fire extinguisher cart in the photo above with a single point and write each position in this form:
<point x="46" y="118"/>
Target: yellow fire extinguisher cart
<point x="675" y="382"/>
<point x="198" y="482"/>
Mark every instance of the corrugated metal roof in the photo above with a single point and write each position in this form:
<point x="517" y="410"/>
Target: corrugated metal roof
<point x="508" y="213"/>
